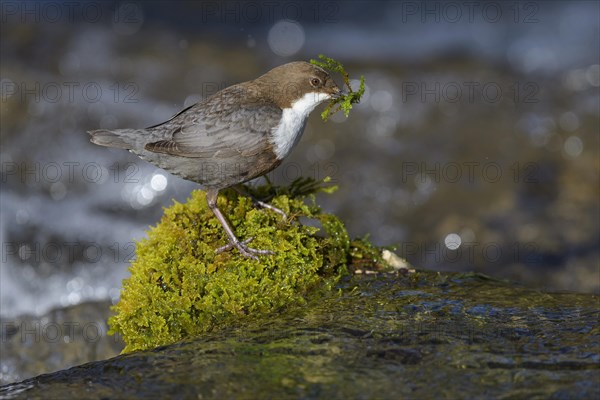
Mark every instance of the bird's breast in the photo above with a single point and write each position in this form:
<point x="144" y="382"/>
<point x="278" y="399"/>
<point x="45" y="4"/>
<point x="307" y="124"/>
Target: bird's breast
<point x="293" y="119"/>
<point x="287" y="133"/>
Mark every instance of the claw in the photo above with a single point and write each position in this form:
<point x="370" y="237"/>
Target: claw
<point x="244" y="249"/>
<point x="272" y="208"/>
<point x="262" y="204"/>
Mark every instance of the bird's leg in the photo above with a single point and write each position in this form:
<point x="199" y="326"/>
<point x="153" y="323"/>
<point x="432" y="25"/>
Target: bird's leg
<point x="258" y="203"/>
<point x="211" y="198"/>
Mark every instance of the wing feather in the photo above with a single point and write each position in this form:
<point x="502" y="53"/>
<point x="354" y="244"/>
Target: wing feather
<point x="219" y="127"/>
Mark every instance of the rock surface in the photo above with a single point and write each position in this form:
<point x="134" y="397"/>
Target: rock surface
<point x="60" y="339"/>
<point x="422" y="335"/>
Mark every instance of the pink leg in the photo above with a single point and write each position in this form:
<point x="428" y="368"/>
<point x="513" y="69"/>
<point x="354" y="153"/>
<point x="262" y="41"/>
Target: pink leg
<point x="211" y="198"/>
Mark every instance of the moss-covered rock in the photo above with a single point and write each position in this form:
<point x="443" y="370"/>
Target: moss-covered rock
<point x="179" y="286"/>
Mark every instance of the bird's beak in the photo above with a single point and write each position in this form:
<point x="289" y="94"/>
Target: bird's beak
<point x="337" y="93"/>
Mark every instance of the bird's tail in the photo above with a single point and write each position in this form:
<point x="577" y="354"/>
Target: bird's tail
<point x="120" y="138"/>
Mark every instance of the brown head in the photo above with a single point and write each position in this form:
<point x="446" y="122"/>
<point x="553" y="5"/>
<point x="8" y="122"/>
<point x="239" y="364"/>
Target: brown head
<point x="289" y="82"/>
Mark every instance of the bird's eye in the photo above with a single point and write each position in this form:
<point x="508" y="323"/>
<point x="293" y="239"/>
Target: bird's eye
<point x="315" y="82"/>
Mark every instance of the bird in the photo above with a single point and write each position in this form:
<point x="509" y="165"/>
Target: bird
<point x="240" y="133"/>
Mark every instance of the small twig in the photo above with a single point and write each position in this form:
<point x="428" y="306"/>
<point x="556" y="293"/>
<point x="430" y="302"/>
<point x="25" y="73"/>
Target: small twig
<point x="345" y="101"/>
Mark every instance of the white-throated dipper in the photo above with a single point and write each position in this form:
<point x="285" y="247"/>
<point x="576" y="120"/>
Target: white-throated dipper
<point x="240" y="133"/>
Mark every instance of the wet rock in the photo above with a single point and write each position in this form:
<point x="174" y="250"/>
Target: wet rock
<point x="60" y="339"/>
<point x="421" y="335"/>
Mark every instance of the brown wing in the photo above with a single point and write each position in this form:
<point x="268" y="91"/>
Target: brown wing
<point x="219" y="127"/>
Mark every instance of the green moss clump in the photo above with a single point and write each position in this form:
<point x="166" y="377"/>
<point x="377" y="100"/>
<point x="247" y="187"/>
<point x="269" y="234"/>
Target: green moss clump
<point x="179" y="287"/>
<point x="345" y="101"/>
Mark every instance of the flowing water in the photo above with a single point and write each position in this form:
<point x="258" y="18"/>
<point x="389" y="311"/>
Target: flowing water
<point x="475" y="148"/>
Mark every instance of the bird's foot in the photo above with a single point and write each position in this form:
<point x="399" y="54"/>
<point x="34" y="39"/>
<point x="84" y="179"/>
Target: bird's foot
<point x="244" y="249"/>
<point x="261" y="204"/>
<point x="267" y="206"/>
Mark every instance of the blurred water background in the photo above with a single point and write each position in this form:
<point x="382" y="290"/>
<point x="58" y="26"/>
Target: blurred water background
<point x="476" y="146"/>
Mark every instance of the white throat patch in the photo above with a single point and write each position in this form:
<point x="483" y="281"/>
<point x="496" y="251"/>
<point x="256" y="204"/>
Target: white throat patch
<point x="291" y="126"/>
